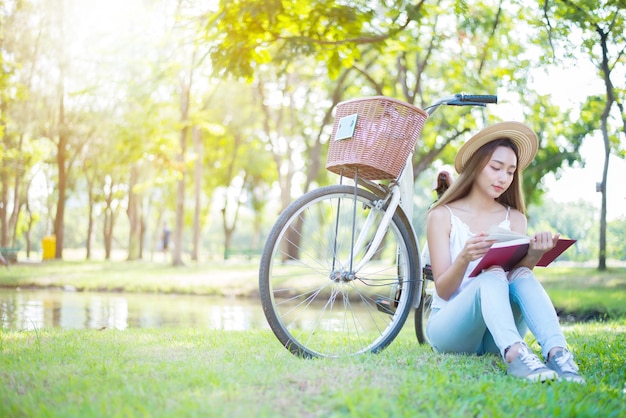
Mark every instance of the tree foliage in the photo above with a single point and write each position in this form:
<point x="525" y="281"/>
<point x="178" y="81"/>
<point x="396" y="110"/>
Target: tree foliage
<point x="601" y="25"/>
<point x="257" y="32"/>
<point x="158" y="126"/>
<point x="415" y="52"/>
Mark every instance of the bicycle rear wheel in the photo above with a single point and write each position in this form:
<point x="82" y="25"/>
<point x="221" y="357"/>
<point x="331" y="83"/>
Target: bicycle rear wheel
<point x="422" y="312"/>
<point x="315" y="305"/>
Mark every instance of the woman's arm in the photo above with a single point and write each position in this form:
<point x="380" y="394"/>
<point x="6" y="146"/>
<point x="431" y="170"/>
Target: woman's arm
<point x="540" y="243"/>
<point x="448" y="274"/>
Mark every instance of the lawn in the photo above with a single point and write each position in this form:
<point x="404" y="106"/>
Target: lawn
<point x="189" y="372"/>
<point x="195" y="372"/>
<point x="586" y="293"/>
<point x="219" y="279"/>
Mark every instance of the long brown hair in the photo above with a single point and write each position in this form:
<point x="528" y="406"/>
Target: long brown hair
<point x="461" y="187"/>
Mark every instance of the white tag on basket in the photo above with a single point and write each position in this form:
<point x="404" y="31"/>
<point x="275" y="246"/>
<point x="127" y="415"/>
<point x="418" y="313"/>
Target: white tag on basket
<point x="347" y="124"/>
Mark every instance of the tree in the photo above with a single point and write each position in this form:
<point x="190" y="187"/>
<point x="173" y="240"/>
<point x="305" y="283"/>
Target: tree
<point x="601" y="25"/>
<point x="198" y="149"/>
<point x="415" y="53"/>
<point x="64" y="111"/>
<point x="234" y="182"/>
<point x="185" y="65"/>
<point x="129" y="119"/>
<point x="19" y="52"/>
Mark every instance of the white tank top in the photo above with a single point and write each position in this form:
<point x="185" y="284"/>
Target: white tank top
<point x="459" y="234"/>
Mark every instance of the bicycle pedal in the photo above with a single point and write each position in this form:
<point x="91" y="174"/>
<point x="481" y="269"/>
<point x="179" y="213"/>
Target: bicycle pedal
<point x="385" y="306"/>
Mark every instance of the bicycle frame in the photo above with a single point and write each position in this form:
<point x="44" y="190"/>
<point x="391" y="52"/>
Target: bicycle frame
<point x="399" y="193"/>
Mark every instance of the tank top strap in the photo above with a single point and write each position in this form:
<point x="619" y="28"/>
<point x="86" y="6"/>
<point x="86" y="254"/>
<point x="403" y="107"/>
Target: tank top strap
<point x="449" y="210"/>
<point x="506" y="223"/>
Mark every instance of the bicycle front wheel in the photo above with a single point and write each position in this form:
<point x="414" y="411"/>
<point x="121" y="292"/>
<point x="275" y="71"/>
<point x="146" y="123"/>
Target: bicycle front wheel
<point x="314" y="301"/>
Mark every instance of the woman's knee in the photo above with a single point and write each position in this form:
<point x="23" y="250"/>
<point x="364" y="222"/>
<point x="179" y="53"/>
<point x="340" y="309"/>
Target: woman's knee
<point x="519" y="273"/>
<point x="494" y="274"/>
<point x="490" y="282"/>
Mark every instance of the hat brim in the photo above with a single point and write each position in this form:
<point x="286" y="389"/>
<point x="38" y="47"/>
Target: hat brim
<point x="521" y="135"/>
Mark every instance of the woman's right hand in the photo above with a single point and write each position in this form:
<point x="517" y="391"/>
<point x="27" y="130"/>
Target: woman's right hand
<point x="476" y="247"/>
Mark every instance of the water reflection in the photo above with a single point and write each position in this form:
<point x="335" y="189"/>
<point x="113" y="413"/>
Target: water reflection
<point x="36" y="309"/>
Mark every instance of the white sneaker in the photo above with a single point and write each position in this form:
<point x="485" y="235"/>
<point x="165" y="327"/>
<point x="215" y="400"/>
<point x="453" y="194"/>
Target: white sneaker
<point x="563" y="363"/>
<point x="528" y="366"/>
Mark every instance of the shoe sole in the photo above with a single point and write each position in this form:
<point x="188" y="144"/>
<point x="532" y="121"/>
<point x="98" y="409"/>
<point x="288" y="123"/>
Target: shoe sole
<point x="579" y="380"/>
<point x="543" y="376"/>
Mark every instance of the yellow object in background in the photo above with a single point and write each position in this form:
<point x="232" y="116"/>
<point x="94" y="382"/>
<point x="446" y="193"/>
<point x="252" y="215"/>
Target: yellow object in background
<point x="49" y="246"/>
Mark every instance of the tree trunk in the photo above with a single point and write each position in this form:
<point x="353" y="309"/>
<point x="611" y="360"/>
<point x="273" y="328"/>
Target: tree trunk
<point x="29" y="228"/>
<point x="4" y="224"/>
<point x="199" y="150"/>
<point x="62" y="185"/>
<point x="177" y="259"/>
<point x="4" y="179"/>
<point x="603" y="189"/>
<point x="142" y="232"/>
<point x="89" y="221"/>
<point x="230" y="229"/>
<point x="177" y="253"/>
<point x="228" y="235"/>
<point x="109" y="221"/>
<point x="610" y="99"/>
<point x="17" y="199"/>
<point x="134" y="236"/>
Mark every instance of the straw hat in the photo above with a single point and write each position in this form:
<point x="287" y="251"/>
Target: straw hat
<point x="521" y="135"/>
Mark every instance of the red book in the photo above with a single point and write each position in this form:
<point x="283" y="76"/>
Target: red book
<point x="507" y="254"/>
<point x="561" y="245"/>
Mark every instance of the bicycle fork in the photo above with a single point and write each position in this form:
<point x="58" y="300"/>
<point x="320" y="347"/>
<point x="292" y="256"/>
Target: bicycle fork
<point x="359" y="243"/>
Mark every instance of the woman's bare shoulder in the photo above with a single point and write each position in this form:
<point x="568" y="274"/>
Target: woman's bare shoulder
<point x="439" y="219"/>
<point x="516" y="215"/>
<point x="518" y="220"/>
<point x="439" y="213"/>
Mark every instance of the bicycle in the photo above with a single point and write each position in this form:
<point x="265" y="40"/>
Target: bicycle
<point x="340" y="270"/>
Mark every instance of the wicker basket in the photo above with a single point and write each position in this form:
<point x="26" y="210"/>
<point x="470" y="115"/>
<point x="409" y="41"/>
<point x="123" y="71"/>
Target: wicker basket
<point x="386" y="132"/>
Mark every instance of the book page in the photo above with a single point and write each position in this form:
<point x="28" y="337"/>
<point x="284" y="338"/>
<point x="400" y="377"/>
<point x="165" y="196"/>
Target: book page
<point x="510" y="243"/>
<point x="501" y="235"/>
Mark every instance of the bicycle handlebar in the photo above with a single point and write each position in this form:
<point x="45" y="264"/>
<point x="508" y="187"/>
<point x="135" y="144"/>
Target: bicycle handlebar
<point x="463" y="99"/>
<point x="469" y="99"/>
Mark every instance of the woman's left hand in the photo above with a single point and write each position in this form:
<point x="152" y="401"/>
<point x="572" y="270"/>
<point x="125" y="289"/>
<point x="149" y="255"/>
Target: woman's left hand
<point x="542" y="242"/>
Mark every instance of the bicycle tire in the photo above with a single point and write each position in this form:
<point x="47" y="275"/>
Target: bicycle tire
<point x="311" y="312"/>
<point x="422" y="312"/>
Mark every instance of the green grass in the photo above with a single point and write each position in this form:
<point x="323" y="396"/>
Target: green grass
<point x="221" y="279"/>
<point x="188" y="372"/>
<point x="585" y="292"/>
<point x="193" y="372"/>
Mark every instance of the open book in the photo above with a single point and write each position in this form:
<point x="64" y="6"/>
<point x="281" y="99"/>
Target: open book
<point x="512" y="247"/>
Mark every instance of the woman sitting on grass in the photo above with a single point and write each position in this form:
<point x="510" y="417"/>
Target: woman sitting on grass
<point x="490" y="313"/>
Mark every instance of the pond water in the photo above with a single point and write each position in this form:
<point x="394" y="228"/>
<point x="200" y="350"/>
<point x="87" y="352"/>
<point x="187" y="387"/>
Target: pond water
<point x="36" y="309"/>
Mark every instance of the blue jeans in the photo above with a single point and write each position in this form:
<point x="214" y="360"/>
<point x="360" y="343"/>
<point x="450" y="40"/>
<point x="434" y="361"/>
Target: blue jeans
<point x="494" y="312"/>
